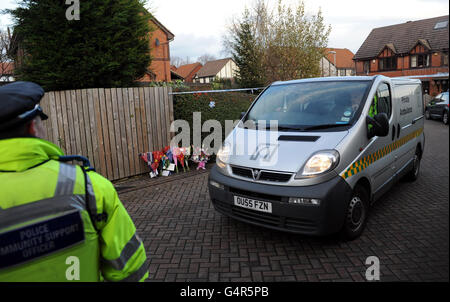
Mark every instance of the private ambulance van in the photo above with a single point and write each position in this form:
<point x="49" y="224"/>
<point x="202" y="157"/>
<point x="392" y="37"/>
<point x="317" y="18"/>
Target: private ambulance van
<point x="311" y="156"/>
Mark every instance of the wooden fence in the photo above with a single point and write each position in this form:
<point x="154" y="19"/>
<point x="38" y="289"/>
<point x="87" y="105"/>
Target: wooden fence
<point x="110" y="126"/>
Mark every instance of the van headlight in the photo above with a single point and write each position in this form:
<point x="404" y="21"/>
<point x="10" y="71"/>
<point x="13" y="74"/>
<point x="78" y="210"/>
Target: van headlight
<point x="223" y="155"/>
<point x="319" y="163"/>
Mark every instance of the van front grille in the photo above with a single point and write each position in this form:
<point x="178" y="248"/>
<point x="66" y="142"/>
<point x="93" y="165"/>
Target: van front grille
<point x="264" y="175"/>
<point x="243" y="172"/>
<point x="277" y="177"/>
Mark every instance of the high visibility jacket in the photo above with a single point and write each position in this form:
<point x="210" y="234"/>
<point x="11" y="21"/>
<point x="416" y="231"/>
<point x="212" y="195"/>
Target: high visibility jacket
<point x="46" y="229"/>
<point x="374" y="107"/>
<point x="373" y="110"/>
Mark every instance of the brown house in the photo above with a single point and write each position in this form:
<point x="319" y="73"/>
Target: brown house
<point x="159" y="70"/>
<point x="188" y="71"/>
<point x="338" y="62"/>
<point x="218" y="69"/>
<point x="174" y="74"/>
<point x="6" y="73"/>
<point x="415" y="49"/>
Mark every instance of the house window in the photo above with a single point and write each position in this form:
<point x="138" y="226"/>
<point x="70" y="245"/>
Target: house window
<point x="440" y="25"/>
<point x="389" y="63"/>
<point x="342" y="72"/>
<point x="420" y="60"/>
<point x="445" y="59"/>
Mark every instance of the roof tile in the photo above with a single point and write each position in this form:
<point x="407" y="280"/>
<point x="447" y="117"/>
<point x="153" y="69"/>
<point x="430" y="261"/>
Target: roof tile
<point x="212" y="68"/>
<point x="185" y="70"/>
<point x="343" y="57"/>
<point x="404" y="37"/>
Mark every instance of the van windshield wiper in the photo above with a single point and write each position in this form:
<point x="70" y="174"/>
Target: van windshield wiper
<point x="325" y="126"/>
<point x="286" y="128"/>
<point x="317" y="127"/>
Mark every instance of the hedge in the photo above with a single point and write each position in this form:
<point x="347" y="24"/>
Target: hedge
<point x="213" y="106"/>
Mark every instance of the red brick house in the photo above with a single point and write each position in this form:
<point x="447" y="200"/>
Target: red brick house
<point x="415" y="49"/>
<point x="337" y="62"/>
<point x="6" y="72"/>
<point x="188" y="71"/>
<point x="159" y="70"/>
<point x="174" y="74"/>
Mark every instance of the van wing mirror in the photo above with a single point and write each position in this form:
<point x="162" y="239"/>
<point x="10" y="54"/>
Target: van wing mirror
<point x="242" y="115"/>
<point x="380" y="125"/>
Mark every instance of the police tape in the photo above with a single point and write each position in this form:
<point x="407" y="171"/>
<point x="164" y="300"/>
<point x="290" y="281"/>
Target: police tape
<point x="363" y="163"/>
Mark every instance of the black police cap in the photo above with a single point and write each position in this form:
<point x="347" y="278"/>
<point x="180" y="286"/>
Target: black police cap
<point x="19" y="103"/>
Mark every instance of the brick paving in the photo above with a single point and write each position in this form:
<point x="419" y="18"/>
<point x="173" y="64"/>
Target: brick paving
<point x="187" y="240"/>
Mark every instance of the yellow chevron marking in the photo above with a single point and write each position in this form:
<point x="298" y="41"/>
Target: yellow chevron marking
<point x="361" y="164"/>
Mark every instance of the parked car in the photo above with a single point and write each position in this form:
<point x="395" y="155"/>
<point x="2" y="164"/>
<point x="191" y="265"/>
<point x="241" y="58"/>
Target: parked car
<point x="438" y="107"/>
<point x="340" y="144"/>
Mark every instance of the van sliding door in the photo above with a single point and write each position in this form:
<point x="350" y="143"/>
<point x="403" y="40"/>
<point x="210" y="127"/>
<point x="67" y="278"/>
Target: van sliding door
<point x="408" y="112"/>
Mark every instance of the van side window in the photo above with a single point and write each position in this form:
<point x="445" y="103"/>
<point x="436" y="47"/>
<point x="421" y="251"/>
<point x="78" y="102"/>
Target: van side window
<point x="383" y="101"/>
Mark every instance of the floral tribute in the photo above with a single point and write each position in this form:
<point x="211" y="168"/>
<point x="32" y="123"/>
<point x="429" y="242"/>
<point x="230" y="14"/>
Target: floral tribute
<point x="168" y="160"/>
<point x="200" y="157"/>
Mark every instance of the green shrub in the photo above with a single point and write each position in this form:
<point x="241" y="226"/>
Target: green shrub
<point x="219" y="84"/>
<point x="227" y="106"/>
<point x="177" y="85"/>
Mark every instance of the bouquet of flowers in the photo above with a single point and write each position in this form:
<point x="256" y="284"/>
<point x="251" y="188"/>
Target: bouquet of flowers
<point x="201" y="158"/>
<point x="181" y="155"/>
<point x="187" y="153"/>
<point x="152" y="163"/>
<point x="166" y="161"/>
<point x="157" y="156"/>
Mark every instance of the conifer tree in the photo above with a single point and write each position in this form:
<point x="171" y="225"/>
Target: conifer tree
<point x="246" y="54"/>
<point x="107" y="47"/>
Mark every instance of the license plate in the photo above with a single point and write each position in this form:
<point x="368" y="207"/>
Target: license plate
<point x="257" y="205"/>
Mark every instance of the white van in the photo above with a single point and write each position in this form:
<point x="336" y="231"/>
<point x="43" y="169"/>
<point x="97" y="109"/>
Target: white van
<point x="340" y="144"/>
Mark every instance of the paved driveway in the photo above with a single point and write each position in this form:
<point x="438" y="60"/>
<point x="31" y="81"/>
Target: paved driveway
<point x="187" y="240"/>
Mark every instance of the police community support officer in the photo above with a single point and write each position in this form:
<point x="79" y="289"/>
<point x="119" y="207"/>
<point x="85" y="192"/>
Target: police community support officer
<point x="58" y="221"/>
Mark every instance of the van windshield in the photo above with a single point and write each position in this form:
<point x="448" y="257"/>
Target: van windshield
<point x="311" y="105"/>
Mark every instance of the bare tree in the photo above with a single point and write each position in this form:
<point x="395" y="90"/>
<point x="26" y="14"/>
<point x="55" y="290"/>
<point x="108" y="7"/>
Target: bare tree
<point x="6" y="62"/>
<point x="178" y="61"/>
<point x="290" y="42"/>
<point x="203" y="59"/>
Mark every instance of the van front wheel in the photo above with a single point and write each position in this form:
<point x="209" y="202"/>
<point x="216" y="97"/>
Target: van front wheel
<point x="356" y="214"/>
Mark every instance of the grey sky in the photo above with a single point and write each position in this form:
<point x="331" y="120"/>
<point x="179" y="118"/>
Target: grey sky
<point x="199" y="25"/>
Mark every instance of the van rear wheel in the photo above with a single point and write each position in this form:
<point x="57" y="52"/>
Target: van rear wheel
<point x="414" y="173"/>
<point x="356" y="214"/>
